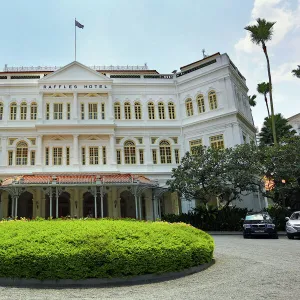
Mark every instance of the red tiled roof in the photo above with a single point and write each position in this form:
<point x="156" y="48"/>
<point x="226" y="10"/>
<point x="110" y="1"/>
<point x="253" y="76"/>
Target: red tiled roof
<point x="77" y="179"/>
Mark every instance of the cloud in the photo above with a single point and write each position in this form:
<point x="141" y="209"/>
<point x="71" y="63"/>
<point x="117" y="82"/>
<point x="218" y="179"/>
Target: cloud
<point x="283" y="72"/>
<point x="285" y="16"/>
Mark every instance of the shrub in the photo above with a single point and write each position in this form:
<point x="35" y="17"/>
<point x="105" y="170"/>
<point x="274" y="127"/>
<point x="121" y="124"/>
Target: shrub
<point x="78" y="249"/>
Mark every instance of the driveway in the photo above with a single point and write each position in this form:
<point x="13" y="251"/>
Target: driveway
<point x="244" y="269"/>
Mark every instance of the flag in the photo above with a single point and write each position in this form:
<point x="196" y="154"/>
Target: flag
<point x="78" y="24"/>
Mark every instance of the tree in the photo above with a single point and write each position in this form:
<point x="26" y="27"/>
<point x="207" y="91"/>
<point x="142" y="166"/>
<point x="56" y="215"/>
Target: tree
<point x="283" y="130"/>
<point x="210" y="174"/>
<point x="251" y="100"/>
<point x="296" y="72"/>
<point x="263" y="88"/>
<point x="260" y="34"/>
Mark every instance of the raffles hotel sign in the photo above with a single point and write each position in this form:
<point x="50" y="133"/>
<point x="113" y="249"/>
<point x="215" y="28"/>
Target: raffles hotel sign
<point x="74" y="87"/>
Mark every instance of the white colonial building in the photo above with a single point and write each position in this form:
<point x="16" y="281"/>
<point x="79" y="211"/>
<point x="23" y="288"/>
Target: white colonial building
<point x="294" y="121"/>
<point x="102" y="141"/>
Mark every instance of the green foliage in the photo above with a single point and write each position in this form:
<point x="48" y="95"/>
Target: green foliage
<point x="211" y="173"/>
<point x="226" y="219"/>
<point x="78" y="249"/>
<point x="283" y="130"/>
<point x="251" y="100"/>
<point x="296" y="72"/>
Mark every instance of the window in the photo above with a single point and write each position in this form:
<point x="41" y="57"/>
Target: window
<point x="189" y="107"/>
<point x="68" y="156"/>
<point x="93" y="111"/>
<point x="137" y="111"/>
<point x="47" y="156"/>
<point x="141" y="153"/>
<point x="47" y="111"/>
<point x="151" y="112"/>
<point x="32" y="158"/>
<point x="217" y="141"/>
<point x="33" y="111"/>
<point x="23" y="111"/>
<point x="129" y="153"/>
<point x="1" y="111"/>
<point x="177" y="158"/>
<point x="22" y="154"/>
<point x="212" y="97"/>
<point x="58" y="111"/>
<point x="194" y="144"/>
<point x="200" y="103"/>
<point x="154" y="156"/>
<point x="171" y="108"/>
<point x="10" y="158"/>
<point x="119" y="161"/>
<point x="68" y="111"/>
<point x="104" y="155"/>
<point x="13" y="111"/>
<point x="165" y="152"/>
<point x="117" y="109"/>
<point x="103" y="111"/>
<point x="57" y="156"/>
<point x="127" y="110"/>
<point x="83" y="156"/>
<point x="161" y="111"/>
<point x="94" y="155"/>
<point x="82" y="111"/>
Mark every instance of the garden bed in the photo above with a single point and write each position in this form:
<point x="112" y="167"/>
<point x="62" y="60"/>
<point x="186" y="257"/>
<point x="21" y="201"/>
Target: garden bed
<point x="80" y="249"/>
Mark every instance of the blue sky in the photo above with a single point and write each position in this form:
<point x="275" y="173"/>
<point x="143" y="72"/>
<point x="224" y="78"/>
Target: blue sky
<point x="164" y="33"/>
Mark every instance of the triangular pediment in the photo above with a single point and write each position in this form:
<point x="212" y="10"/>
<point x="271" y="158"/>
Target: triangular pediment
<point x="75" y="72"/>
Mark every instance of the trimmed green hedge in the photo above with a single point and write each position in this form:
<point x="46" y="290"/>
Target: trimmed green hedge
<point x="78" y="249"/>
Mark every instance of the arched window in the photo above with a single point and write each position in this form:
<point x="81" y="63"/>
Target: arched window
<point x="117" y="108"/>
<point x="127" y="109"/>
<point x="151" y="113"/>
<point x="13" y="111"/>
<point x="161" y="111"/>
<point x="33" y="111"/>
<point x="22" y="154"/>
<point x="171" y="108"/>
<point x="165" y="152"/>
<point x="129" y="153"/>
<point x="137" y="111"/>
<point x="1" y="111"/>
<point x="212" y="97"/>
<point x="23" y="111"/>
<point x="189" y="107"/>
<point x="200" y="103"/>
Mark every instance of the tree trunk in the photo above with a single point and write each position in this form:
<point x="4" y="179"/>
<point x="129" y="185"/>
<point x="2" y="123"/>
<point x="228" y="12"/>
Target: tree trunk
<point x="271" y="97"/>
<point x="267" y="105"/>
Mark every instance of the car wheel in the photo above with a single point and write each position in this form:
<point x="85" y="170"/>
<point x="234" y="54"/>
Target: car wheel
<point x="290" y="236"/>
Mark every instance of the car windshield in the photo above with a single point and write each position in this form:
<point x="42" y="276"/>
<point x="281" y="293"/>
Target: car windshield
<point x="295" y="216"/>
<point x="258" y="217"/>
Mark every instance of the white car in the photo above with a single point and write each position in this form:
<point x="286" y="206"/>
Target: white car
<point x="292" y="226"/>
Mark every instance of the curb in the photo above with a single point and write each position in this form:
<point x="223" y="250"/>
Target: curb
<point x="95" y="282"/>
<point x="281" y="233"/>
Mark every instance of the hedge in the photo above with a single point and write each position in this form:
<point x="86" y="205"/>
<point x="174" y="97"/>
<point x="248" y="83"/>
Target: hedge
<point x="78" y="249"/>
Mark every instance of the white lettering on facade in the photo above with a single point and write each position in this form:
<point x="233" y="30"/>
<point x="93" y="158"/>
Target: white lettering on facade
<point x="71" y="86"/>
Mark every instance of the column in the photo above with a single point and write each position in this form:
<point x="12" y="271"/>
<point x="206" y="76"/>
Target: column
<point x="6" y="109"/>
<point x="40" y="108"/>
<point x="114" y="199"/>
<point x="50" y="203"/>
<point x="140" y="208"/>
<point x="4" y="151"/>
<point x="57" y="195"/>
<point x="39" y="152"/>
<point x="38" y="200"/>
<point x="112" y="149"/>
<point x="95" y="203"/>
<point x="50" y="155"/>
<point x="136" y="206"/>
<point x="75" y="150"/>
<point x="16" y="206"/>
<point x="110" y="107"/>
<point x="74" y="109"/>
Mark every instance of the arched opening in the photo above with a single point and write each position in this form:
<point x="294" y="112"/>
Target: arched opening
<point x="89" y="205"/>
<point x="127" y="205"/>
<point x="25" y="206"/>
<point x="129" y="153"/>
<point x="63" y="205"/>
<point x="22" y="154"/>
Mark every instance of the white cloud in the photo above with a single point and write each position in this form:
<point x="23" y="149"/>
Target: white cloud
<point x="274" y="11"/>
<point x="284" y="72"/>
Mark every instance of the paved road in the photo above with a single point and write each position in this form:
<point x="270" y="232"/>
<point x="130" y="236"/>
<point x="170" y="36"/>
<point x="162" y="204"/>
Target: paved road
<point x="244" y="269"/>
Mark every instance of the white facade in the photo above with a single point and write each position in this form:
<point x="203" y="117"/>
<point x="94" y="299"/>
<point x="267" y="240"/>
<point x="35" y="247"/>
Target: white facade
<point x="294" y="121"/>
<point x="102" y="121"/>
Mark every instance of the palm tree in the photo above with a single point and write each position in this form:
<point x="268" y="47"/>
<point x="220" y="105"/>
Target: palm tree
<point x="260" y="34"/>
<point x="264" y="88"/>
<point x="296" y="72"/>
<point x="251" y="100"/>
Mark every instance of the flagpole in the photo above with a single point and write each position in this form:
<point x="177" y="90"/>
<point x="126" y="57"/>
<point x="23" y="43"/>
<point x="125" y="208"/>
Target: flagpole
<point x="75" y="38"/>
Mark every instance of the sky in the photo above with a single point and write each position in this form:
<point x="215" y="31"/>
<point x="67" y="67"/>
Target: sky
<point x="165" y="34"/>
